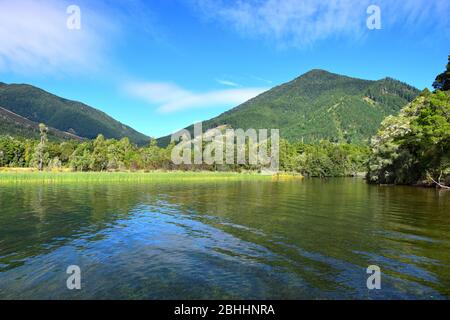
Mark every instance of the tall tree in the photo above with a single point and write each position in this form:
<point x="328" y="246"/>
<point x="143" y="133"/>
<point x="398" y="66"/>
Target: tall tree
<point x="442" y="81"/>
<point x="40" y="154"/>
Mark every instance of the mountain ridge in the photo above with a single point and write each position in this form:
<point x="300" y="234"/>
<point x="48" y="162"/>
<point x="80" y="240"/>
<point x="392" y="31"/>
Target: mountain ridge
<point x="17" y="126"/>
<point x="41" y="106"/>
<point x="319" y="105"/>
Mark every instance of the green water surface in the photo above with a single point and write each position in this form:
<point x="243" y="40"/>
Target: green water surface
<point x="311" y="239"/>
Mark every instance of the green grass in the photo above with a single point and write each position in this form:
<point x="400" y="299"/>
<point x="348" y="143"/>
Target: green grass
<point x="92" y="177"/>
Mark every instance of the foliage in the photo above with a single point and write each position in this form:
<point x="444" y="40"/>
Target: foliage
<point x="41" y="156"/>
<point x="324" y="159"/>
<point x="414" y="144"/>
<point x="14" y="125"/>
<point x="442" y="81"/>
<point x="13" y="152"/>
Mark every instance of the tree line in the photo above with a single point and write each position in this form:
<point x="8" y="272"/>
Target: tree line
<point x="324" y="159"/>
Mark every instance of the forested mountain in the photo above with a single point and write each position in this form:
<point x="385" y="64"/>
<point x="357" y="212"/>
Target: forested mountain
<point x="65" y="115"/>
<point x="17" y="126"/>
<point x="320" y="105"/>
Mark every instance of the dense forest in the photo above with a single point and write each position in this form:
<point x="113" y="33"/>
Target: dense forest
<point x="319" y="105"/>
<point x="324" y="159"/>
<point x="61" y="115"/>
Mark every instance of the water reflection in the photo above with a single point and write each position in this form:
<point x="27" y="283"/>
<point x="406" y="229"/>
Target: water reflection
<point x="255" y="240"/>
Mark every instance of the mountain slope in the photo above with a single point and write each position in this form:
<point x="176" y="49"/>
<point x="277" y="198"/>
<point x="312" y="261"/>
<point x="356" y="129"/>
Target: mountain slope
<point x="17" y="126"/>
<point x="66" y="115"/>
<point x="320" y="105"/>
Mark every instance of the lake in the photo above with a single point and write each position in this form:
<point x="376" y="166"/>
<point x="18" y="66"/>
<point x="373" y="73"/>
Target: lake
<point x="311" y="239"/>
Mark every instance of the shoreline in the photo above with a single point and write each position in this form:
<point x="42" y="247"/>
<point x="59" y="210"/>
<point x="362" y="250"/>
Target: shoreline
<point x="28" y="176"/>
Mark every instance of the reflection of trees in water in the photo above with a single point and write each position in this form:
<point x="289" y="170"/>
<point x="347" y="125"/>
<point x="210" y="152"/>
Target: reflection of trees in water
<point x="322" y="228"/>
<point x="314" y="229"/>
<point x="36" y="218"/>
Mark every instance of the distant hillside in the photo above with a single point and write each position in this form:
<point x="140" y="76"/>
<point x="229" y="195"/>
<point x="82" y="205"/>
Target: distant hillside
<point x="17" y="126"/>
<point x="320" y="105"/>
<point x="65" y="115"/>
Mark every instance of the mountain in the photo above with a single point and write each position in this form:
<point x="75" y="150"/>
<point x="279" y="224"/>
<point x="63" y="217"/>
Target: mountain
<point x="319" y="105"/>
<point x="17" y="126"/>
<point x="69" y="116"/>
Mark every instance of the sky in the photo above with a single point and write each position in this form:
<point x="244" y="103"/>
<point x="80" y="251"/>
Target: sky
<point x="159" y="66"/>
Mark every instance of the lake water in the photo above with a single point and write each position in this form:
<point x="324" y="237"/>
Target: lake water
<point x="311" y="239"/>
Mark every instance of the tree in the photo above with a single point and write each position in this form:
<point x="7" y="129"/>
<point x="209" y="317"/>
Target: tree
<point x="152" y="155"/>
<point x="99" y="156"/>
<point x="40" y="154"/>
<point x="415" y="145"/>
<point x="12" y="152"/>
<point x="442" y="81"/>
<point x="80" y="159"/>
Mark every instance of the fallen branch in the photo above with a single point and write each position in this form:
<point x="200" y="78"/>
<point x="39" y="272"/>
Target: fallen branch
<point x="439" y="184"/>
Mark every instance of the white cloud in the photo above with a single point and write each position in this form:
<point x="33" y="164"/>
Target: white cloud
<point x="261" y="79"/>
<point x="227" y="83"/>
<point x="34" y="37"/>
<point x="300" y="23"/>
<point x="170" y="97"/>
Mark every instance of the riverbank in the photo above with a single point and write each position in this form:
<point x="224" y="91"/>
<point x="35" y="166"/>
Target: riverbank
<point x="23" y="175"/>
<point x="35" y="176"/>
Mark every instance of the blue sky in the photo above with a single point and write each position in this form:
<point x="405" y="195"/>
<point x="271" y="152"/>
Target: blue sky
<point x="159" y="66"/>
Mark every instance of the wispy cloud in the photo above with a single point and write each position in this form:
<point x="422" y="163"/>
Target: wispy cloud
<point x="300" y="23"/>
<point x="228" y="83"/>
<point x="169" y="97"/>
<point x="261" y="79"/>
<point x="34" y="37"/>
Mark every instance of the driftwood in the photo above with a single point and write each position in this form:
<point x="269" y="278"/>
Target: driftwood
<point x="438" y="183"/>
